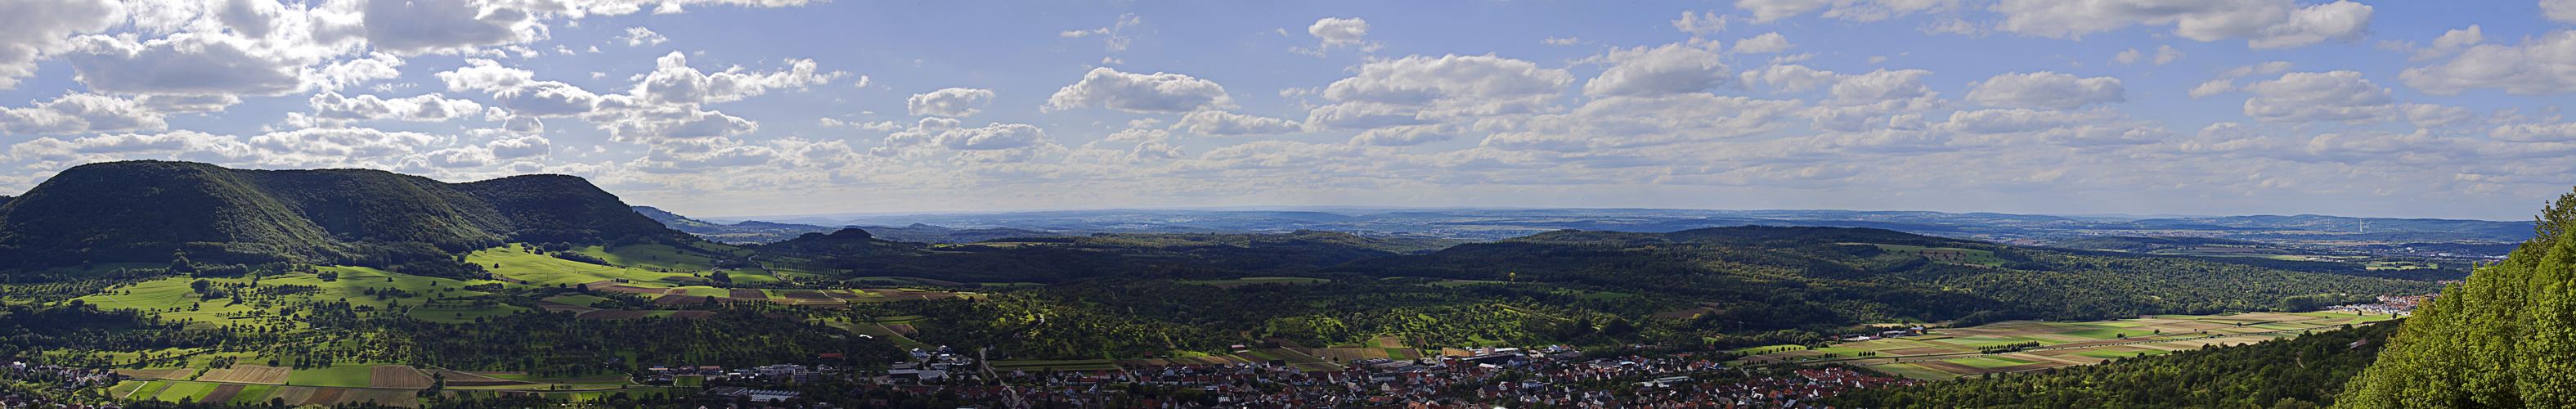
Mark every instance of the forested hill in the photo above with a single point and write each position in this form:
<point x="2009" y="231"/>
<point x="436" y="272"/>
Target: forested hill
<point x="2506" y="338"/>
<point x="1755" y="274"/>
<point x="858" y="253"/>
<point x="150" y="211"/>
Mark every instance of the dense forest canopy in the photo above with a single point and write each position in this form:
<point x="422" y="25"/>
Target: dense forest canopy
<point x="2500" y="340"/>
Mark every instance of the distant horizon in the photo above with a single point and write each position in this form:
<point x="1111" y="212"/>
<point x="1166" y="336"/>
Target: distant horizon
<point x="858" y="215"/>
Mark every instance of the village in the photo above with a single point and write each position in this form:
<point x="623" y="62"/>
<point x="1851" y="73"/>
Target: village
<point x="1550" y="376"/>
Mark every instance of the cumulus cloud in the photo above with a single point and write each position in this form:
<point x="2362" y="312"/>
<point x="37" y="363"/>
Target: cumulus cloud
<point x="640" y="36"/>
<point x="29" y="27"/>
<point x="332" y="109"/>
<point x="409" y="27"/>
<point x="183" y="64"/>
<point x="1992" y="121"/>
<point x="520" y="147"/>
<point x="1635" y="122"/>
<point x="2312" y="96"/>
<point x="2451" y="42"/>
<point x="1704" y="23"/>
<point x="2563" y="11"/>
<point x="674" y="82"/>
<point x="2264" y="24"/>
<point x="1766" y="43"/>
<point x="1901" y="87"/>
<point x="1341" y="32"/>
<point x="1221" y="123"/>
<point x="933" y="135"/>
<point x="80" y="113"/>
<point x="2538" y="66"/>
<point x="1408" y="135"/>
<point x="2046" y="90"/>
<point x="1417" y="90"/>
<point x="1668" y="69"/>
<point x="949" y="102"/>
<point x="1789" y="78"/>
<point x="1131" y="92"/>
<point x="2555" y="132"/>
<point x="2213" y="87"/>
<point x="658" y="125"/>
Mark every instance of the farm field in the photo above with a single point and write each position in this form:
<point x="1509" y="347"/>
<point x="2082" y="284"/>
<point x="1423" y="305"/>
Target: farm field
<point x="1953" y="352"/>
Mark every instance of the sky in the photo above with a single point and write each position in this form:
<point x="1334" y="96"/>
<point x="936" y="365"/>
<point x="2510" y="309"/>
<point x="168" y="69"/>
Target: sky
<point x="718" y="108"/>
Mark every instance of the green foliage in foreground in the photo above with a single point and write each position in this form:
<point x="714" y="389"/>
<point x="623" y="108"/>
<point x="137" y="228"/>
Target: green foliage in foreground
<point x="2306" y="372"/>
<point x="2506" y="338"/>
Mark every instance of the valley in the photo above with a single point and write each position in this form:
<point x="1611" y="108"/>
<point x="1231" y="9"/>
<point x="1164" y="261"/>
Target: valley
<point x="283" y="297"/>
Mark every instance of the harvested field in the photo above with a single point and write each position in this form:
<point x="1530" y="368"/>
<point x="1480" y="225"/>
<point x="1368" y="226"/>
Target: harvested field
<point x="1945" y="366"/>
<point x="1923" y="351"/>
<point x="746" y="293"/>
<point x="455" y="378"/>
<point x="1389" y="342"/>
<point x="903" y="329"/>
<point x="679" y="299"/>
<point x="294" y="394"/>
<point x="388" y="397"/>
<point x="244" y="373"/>
<point x="324" y="397"/>
<point x="397" y="376"/>
<point x="180" y="373"/>
<point x="222" y="393"/>
<point x="807" y="294"/>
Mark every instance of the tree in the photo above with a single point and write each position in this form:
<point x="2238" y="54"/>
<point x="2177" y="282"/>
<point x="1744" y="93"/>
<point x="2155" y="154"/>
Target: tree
<point x="180" y="265"/>
<point x="200" y="285"/>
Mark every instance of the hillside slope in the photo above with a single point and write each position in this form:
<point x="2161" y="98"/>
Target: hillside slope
<point x="2506" y="338"/>
<point x="148" y="211"/>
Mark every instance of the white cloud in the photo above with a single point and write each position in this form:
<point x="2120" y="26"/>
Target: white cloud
<point x="1992" y="121"/>
<point x="936" y="134"/>
<point x="2311" y="96"/>
<point x="2213" y="87"/>
<point x="659" y="125"/>
<point x="2555" y="132"/>
<point x="1765" y="11"/>
<point x="1221" y="123"/>
<point x="2451" y="42"/>
<point x="2128" y="57"/>
<point x="80" y="113"/>
<point x="949" y="102"/>
<point x="1704" y="23"/>
<point x="640" y="36"/>
<point x="1634" y="122"/>
<point x="1157" y="92"/>
<point x="2563" y="11"/>
<point x="1668" y="69"/>
<point x="2046" y="90"/>
<point x="2265" y="24"/>
<point x="2166" y="54"/>
<point x="2539" y="66"/>
<point x="1114" y="34"/>
<point x="409" y="27"/>
<point x="674" y="82"/>
<point x="1790" y="78"/>
<point x="1339" y="30"/>
<point x="1766" y="43"/>
<point x="520" y="147"/>
<point x="1561" y="41"/>
<point x="1904" y="87"/>
<point x="2273" y="67"/>
<point x="332" y="109"/>
<point x="1418" y="90"/>
<point x="183" y="64"/>
<point x="30" y="27"/>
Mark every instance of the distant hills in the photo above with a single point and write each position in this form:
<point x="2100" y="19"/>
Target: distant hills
<point x="1497" y="224"/>
<point x="151" y="211"/>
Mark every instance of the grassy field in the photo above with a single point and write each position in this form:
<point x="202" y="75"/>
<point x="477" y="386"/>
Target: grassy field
<point x="352" y="375"/>
<point x="1955" y="353"/>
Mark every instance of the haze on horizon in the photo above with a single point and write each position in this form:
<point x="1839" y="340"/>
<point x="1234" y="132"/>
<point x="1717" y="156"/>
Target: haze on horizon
<point x="782" y="107"/>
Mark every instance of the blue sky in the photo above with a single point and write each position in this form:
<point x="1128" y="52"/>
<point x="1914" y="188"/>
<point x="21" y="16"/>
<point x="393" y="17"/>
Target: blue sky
<point x="767" y="107"/>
